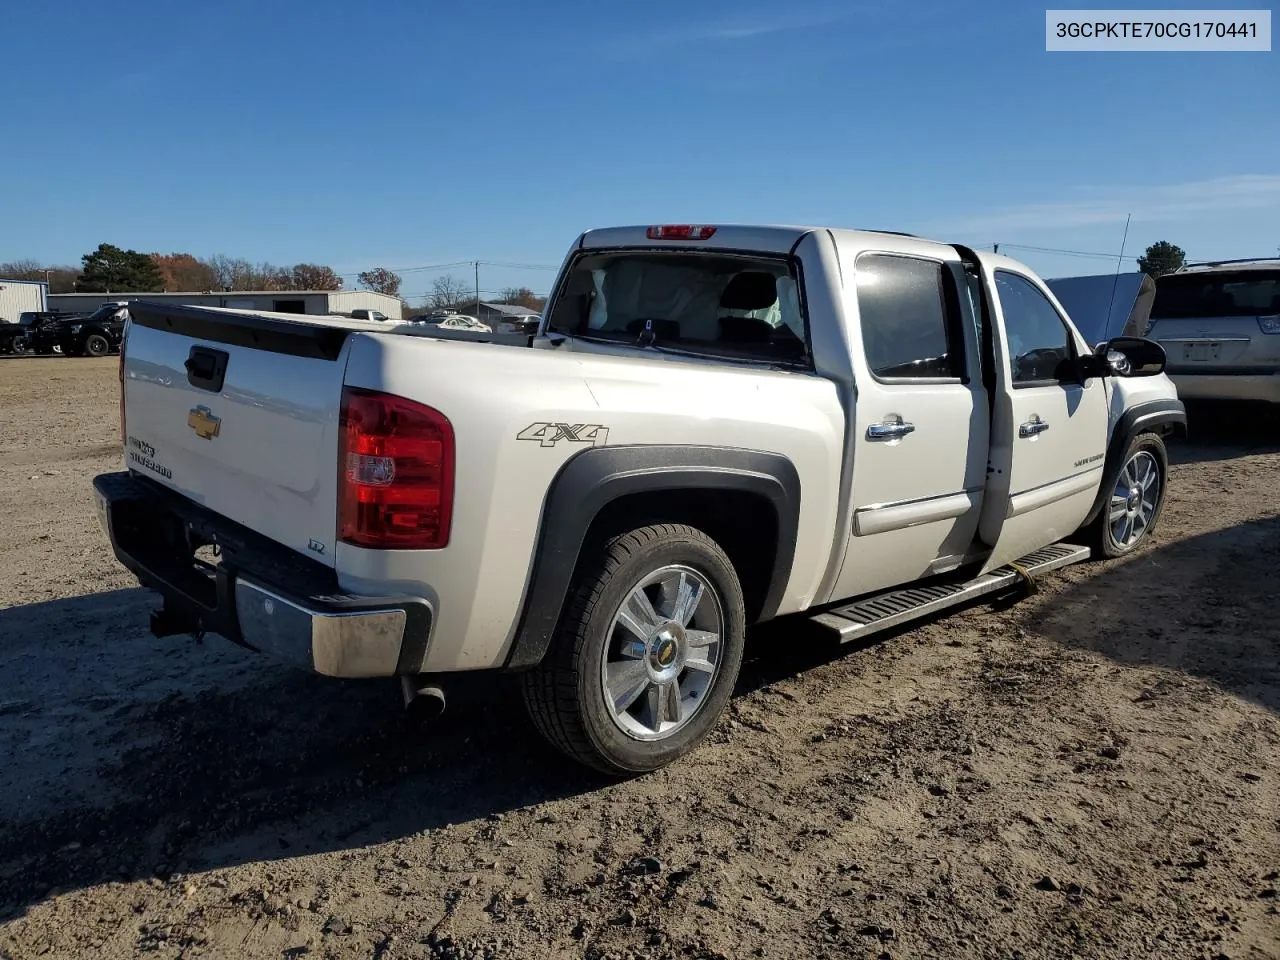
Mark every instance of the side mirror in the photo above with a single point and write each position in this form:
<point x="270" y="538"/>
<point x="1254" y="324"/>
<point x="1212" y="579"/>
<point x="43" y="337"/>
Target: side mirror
<point x="1133" y="356"/>
<point x="1092" y="365"/>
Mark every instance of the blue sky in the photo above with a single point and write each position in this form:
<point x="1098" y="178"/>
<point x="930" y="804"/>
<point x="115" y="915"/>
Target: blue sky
<point x="406" y="134"/>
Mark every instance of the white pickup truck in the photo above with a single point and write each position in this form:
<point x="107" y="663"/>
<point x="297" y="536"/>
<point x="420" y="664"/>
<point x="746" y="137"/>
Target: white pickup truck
<point x="712" y="427"/>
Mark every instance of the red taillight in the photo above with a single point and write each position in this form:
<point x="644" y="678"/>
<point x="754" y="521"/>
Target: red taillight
<point x="395" y="473"/>
<point x="679" y="232"/>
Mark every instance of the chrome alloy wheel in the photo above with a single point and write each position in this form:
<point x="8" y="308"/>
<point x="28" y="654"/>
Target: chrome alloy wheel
<point x="662" y="652"/>
<point x="1134" y="499"/>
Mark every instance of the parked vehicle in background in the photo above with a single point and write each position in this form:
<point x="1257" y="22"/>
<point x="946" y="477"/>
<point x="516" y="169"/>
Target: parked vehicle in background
<point x="525" y="325"/>
<point x="1219" y="324"/>
<point x="714" y="427"/>
<point x="90" y="335"/>
<point x="12" y="337"/>
<point x="40" y="331"/>
<point x="453" y="321"/>
<point x="96" y="335"/>
<point x="363" y="314"/>
<point x="1103" y="306"/>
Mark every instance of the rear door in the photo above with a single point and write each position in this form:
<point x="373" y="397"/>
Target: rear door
<point x="921" y="419"/>
<point x="1049" y="429"/>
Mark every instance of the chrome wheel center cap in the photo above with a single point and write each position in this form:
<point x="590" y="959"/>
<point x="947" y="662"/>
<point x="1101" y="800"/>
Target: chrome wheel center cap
<point x="665" y="651"/>
<point x="1135" y="499"/>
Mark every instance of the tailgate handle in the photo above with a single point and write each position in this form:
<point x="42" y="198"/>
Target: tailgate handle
<point x="206" y="368"/>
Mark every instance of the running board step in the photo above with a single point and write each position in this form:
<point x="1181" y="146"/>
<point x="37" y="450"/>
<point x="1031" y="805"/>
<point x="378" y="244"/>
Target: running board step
<point x="895" y="607"/>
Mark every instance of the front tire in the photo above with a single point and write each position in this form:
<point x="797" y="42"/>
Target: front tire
<point x="646" y="655"/>
<point x="1136" y="498"/>
<point x="96" y="346"/>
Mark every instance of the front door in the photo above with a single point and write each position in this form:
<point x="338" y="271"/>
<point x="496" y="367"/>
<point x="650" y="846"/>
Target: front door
<point x="1049" y="429"/>
<point x="921" y="417"/>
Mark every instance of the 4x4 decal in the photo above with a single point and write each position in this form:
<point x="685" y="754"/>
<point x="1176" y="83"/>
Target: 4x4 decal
<point x="549" y="434"/>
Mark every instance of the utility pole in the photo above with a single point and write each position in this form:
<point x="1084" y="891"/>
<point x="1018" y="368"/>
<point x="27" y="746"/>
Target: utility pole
<point x="477" y="265"/>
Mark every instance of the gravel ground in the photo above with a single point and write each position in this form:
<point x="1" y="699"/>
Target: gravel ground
<point x="1092" y="772"/>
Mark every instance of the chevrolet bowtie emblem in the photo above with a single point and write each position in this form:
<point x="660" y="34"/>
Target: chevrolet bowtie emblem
<point x="204" y="423"/>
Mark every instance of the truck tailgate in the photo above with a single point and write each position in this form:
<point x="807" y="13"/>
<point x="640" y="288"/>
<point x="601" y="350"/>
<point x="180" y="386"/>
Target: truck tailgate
<point x="257" y="444"/>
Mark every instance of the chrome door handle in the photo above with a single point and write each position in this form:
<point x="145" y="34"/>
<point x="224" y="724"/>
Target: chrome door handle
<point x="1032" y="428"/>
<point x="889" y="431"/>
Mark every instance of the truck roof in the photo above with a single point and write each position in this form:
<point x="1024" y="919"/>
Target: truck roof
<point x="766" y="238"/>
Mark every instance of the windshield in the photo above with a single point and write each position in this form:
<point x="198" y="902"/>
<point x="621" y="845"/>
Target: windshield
<point x="723" y="304"/>
<point x="1237" y="293"/>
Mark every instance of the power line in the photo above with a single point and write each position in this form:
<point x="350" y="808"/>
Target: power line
<point x="520" y="266"/>
<point x="1073" y="253"/>
<point x="470" y="292"/>
<point x="1059" y="250"/>
<point x="426" y="267"/>
<point x="455" y="264"/>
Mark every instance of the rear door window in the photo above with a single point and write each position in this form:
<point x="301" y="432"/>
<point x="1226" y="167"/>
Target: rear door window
<point x="908" y="330"/>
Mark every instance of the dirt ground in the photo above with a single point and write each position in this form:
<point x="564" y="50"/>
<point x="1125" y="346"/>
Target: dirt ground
<point x="1092" y="772"/>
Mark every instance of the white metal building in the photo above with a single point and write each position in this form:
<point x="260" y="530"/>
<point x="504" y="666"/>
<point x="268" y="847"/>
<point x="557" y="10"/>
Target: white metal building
<point x="22" y="296"/>
<point x="320" y="302"/>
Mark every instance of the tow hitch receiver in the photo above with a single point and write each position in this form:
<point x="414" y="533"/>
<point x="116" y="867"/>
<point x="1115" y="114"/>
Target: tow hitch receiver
<point x="169" y="623"/>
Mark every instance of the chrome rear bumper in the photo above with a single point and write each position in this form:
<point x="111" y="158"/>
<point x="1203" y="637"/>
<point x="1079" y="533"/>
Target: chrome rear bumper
<point x="261" y="594"/>
<point x="336" y="644"/>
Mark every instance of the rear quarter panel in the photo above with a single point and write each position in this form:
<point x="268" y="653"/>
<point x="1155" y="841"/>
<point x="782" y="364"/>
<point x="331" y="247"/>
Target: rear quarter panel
<point x="493" y="394"/>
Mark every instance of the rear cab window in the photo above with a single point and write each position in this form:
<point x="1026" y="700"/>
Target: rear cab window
<point x="718" y="304"/>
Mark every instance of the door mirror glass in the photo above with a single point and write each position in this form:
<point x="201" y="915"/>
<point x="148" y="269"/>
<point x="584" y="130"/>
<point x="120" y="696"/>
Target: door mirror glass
<point x="1132" y="356"/>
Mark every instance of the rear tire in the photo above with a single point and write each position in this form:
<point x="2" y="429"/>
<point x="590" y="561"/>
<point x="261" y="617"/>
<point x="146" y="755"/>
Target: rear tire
<point x="633" y="679"/>
<point x="1135" y="501"/>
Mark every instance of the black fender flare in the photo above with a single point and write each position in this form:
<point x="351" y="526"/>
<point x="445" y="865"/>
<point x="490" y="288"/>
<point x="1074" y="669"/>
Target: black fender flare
<point x="1140" y="418"/>
<point x="594" y="478"/>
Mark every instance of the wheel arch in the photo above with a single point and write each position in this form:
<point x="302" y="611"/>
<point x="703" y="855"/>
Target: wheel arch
<point x="1162" y="416"/>
<point x="603" y="489"/>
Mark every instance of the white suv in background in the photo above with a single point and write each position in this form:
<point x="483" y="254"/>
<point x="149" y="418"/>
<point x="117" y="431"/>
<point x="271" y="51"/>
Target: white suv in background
<point x="1219" y="324"/>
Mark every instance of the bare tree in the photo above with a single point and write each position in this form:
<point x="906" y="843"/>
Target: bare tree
<point x="313" y="276"/>
<point x="381" y="280"/>
<point x="448" y="292"/>
<point x="22" y="270"/>
<point x="236" y="273"/>
<point x="269" y="276"/>
<point x="230" y="273"/>
<point x="521" y="297"/>
<point x="62" y="279"/>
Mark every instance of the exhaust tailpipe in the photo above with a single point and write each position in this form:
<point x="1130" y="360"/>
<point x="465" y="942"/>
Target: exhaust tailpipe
<point x="423" y="699"/>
